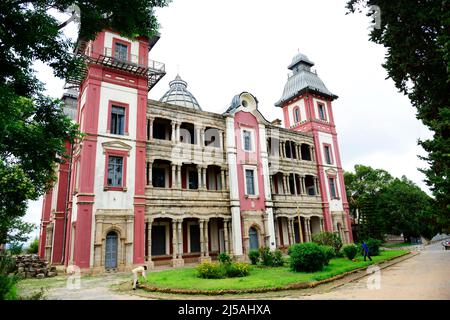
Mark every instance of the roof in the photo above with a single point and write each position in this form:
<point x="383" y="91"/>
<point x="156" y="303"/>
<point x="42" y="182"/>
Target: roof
<point x="179" y="95"/>
<point x="303" y="79"/>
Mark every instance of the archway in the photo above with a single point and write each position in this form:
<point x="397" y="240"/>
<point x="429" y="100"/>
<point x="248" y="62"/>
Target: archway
<point x="111" y="250"/>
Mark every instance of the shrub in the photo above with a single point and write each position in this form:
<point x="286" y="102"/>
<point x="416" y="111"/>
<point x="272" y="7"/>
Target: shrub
<point x="7" y="283"/>
<point x="374" y="246"/>
<point x="350" y="251"/>
<point x="278" y="260"/>
<point x="236" y="269"/>
<point x="34" y="246"/>
<point x="253" y="255"/>
<point x="266" y="257"/>
<point x="329" y="253"/>
<point x="328" y="239"/>
<point x="224" y="258"/>
<point x="308" y="257"/>
<point x="209" y="270"/>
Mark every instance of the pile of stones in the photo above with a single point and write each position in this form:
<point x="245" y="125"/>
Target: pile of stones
<point x="30" y="266"/>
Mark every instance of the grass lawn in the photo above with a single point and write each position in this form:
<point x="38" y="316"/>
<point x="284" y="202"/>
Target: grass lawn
<point x="260" y="277"/>
<point x="397" y="245"/>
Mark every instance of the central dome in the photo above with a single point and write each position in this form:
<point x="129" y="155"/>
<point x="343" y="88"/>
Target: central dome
<point x="179" y="95"/>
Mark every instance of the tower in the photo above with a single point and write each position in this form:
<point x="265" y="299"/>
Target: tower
<point x="107" y="202"/>
<point x="307" y="107"/>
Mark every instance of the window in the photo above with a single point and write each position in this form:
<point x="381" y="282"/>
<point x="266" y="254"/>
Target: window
<point x="332" y="184"/>
<point x="247" y="140"/>
<point x="121" y="51"/>
<point x="159" y="177"/>
<point x="327" y="151"/>
<point x="115" y="171"/>
<point x="322" y="112"/>
<point x="117" y="120"/>
<point x="296" y="114"/>
<point x="250" y="181"/>
<point x="193" y="179"/>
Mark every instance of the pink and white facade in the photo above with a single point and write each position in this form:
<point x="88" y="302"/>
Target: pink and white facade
<point x="156" y="182"/>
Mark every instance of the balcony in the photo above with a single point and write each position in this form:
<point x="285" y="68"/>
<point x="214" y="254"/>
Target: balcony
<point x="129" y="63"/>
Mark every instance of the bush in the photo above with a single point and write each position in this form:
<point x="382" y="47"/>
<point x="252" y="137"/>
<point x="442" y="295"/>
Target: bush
<point x="253" y="255"/>
<point x="224" y="258"/>
<point x="15" y="248"/>
<point x="309" y="257"/>
<point x="278" y="260"/>
<point x="266" y="257"/>
<point x="328" y="239"/>
<point x="236" y="269"/>
<point x="7" y="283"/>
<point x="34" y="246"/>
<point x="374" y="246"/>
<point x="350" y="251"/>
<point x="209" y="270"/>
<point x="329" y="253"/>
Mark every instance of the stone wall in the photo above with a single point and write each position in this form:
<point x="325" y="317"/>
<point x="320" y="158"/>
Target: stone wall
<point x="30" y="266"/>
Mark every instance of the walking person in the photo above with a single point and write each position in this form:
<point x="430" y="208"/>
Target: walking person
<point x="366" y="252"/>
<point x="136" y="272"/>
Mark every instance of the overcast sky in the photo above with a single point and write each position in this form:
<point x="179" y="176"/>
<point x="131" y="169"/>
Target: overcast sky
<point x="222" y="48"/>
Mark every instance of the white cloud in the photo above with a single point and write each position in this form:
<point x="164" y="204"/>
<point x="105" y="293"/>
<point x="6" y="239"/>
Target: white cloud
<point x="224" y="47"/>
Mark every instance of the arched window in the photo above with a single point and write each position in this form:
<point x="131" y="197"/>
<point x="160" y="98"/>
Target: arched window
<point x="254" y="241"/>
<point x="296" y="114"/>
<point x="111" y="250"/>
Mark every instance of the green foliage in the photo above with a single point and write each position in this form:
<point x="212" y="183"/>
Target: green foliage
<point x="224" y="258"/>
<point x="254" y="255"/>
<point x="8" y="290"/>
<point x="266" y="256"/>
<point x="15" y="248"/>
<point x="34" y="246"/>
<point x="211" y="270"/>
<point x="236" y="269"/>
<point x="329" y="253"/>
<point x="327" y="238"/>
<point x="374" y="246"/>
<point x="350" y="251"/>
<point x="417" y="43"/>
<point x="278" y="260"/>
<point x="308" y="257"/>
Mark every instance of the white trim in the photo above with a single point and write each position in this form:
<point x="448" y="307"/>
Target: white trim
<point x="255" y="180"/>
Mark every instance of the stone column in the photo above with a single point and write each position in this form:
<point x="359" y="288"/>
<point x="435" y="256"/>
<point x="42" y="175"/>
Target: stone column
<point x="321" y="224"/>
<point x="225" y="236"/>
<point x="302" y="184"/>
<point x="180" y="239"/>
<point x="283" y="149"/>
<point x="226" y="179"/>
<point x="150" y="128"/>
<point x="221" y="144"/>
<point x="299" y="152"/>
<point x="272" y="187"/>
<point x="313" y="155"/>
<point x="285" y="190"/>
<point x="202" y="137"/>
<point x="204" y="177"/>
<point x="222" y="179"/>
<point x="174" y="176"/>
<point x="173" y="131"/>
<point x="288" y="187"/>
<point x="199" y="176"/>
<point x="230" y="237"/>
<point x="316" y="185"/>
<point x="202" y="238"/>
<point x="174" y="239"/>
<point x="177" y="132"/>
<point x="149" y="178"/>
<point x="206" y="238"/>
<point x="308" y="228"/>
<point x="197" y="138"/>
<point x="290" y="231"/>
<point x="149" y="243"/>
<point x="179" y="176"/>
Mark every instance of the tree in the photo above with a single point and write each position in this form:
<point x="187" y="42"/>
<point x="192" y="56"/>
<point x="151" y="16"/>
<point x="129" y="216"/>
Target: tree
<point x="416" y="36"/>
<point x="34" y="246"/>
<point x="33" y="127"/>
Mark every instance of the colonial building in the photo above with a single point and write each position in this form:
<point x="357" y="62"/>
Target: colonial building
<point x="166" y="182"/>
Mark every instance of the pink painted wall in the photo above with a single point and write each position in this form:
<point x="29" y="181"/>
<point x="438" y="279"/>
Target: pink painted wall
<point x="248" y="120"/>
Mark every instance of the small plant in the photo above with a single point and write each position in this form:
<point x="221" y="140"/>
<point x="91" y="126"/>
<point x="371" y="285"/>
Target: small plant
<point x="327" y="238"/>
<point x="309" y="257"/>
<point x="211" y="270"/>
<point x="350" y="251"/>
<point x="237" y="269"/>
<point x="253" y="255"/>
<point x="224" y="258"/>
<point x="374" y="246"/>
<point x="278" y="260"/>
<point x="329" y="253"/>
<point x="34" y="246"/>
<point x="266" y="257"/>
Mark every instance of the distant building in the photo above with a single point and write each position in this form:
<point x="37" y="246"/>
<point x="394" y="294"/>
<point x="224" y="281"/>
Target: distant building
<point x="165" y="182"/>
